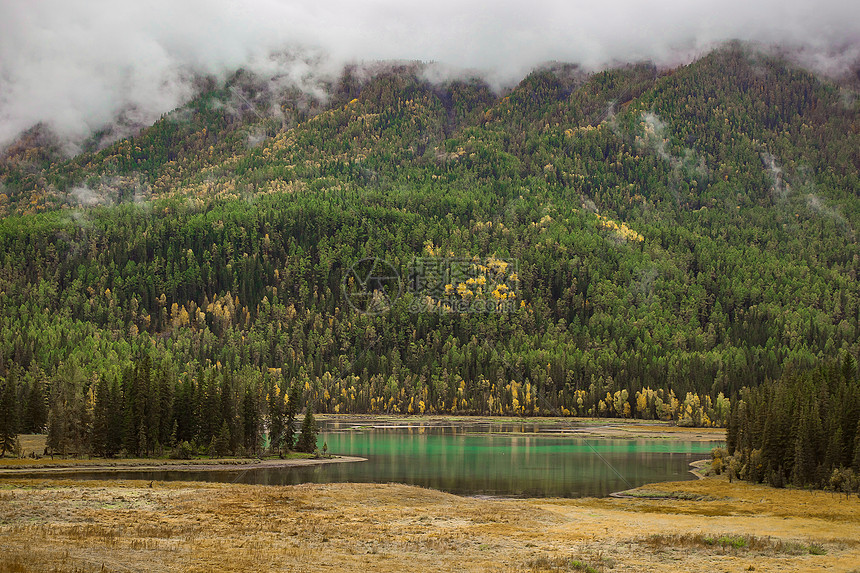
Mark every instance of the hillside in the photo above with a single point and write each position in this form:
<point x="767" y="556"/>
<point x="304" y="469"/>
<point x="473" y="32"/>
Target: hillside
<point x="671" y="237"/>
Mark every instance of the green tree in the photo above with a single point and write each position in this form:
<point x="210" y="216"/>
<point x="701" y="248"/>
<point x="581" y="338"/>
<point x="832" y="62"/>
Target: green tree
<point x="107" y="419"/>
<point x="251" y="420"/>
<point x="68" y="419"/>
<point x="856" y="462"/>
<point x="307" y="441"/>
<point x="292" y="409"/>
<point x="8" y="416"/>
<point x="276" y="418"/>
<point x="221" y="442"/>
<point x="36" y="413"/>
<point x="137" y="433"/>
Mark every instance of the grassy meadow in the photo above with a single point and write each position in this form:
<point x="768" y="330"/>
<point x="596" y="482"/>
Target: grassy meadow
<point x="706" y="525"/>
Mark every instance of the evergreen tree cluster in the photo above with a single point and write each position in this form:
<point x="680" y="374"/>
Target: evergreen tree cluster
<point x="23" y="409"/>
<point x="152" y="411"/>
<point x="802" y="430"/>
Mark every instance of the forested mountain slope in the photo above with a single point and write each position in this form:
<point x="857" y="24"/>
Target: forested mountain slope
<point x="675" y="235"/>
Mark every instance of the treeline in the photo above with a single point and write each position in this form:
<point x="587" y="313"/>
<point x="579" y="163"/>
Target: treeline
<point x="157" y="410"/>
<point x="800" y="430"/>
<point x="150" y="411"/>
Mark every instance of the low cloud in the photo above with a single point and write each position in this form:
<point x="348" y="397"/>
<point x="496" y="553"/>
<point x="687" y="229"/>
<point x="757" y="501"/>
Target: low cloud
<point x="781" y="187"/>
<point x="820" y="206"/>
<point x="108" y="190"/>
<point x="653" y="136"/>
<point x="77" y="66"/>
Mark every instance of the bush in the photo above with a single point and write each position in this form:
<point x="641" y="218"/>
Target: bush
<point x="182" y="451"/>
<point x="754" y="469"/>
<point x="717" y="466"/>
<point x="719" y="460"/>
<point x="844" y="480"/>
<point x="732" y="543"/>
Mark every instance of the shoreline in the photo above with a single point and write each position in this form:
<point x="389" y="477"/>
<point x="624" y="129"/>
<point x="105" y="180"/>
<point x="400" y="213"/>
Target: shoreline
<point x="696" y="468"/>
<point x="94" y="466"/>
<point x="608" y="428"/>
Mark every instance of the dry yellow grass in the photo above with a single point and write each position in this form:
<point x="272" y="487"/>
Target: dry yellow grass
<point x="189" y="527"/>
<point x="625" y="429"/>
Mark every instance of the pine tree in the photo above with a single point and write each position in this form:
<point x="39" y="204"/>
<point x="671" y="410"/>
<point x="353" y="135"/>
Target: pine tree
<point x="115" y="437"/>
<point x="251" y="420"/>
<point x="107" y="419"/>
<point x="36" y="412"/>
<point x="102" y="414"/>
<point x="803" y="472"/>
<point x="308" y="437"/>
<point x="136" y="385"/>
<point x="222" y="441"/>
<point x="276" y="418"/>
<point x="209" y="408"/>
<point x="8" y="417"/>
<point x="142" y="440"/>
<point x="166" y="385"/>
<point x="227" y="410"/>
<point x="833" y="457"/>
<point x="173" y="440"/>
<point x="849" y="367"/>
<point x="856" y="462"/>
<point x="129" y="407"/>
<point x="292" y="410"/>
<point x="152" y="414"/>
<point x="68" y="424"/>
<point x="183" y="411"/>
<point x="732" y="430"/>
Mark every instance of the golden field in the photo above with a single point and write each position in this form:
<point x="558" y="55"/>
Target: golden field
<point x="57" y="525"/>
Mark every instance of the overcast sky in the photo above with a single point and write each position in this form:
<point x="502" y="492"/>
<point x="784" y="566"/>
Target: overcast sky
<point x="76" y="64"/>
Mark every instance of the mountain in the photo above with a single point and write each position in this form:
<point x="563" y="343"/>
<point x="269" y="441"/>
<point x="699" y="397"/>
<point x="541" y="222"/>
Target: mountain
<point x="659" y="239"/>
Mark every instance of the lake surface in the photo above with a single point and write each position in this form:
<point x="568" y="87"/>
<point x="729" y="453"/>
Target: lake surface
<point x="495" y="459"/>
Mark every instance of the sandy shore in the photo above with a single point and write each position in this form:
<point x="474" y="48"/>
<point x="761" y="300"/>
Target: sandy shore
<point x="60" y="466"/>
<point x="614" y="428"/>
<point x="65" y="526"/>
<point x="660" y="431"/>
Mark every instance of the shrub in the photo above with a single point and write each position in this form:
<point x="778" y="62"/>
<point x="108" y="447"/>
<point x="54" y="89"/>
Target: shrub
<point x="844" y="480"/>
<point x="733" y="543"/>
<point x="717" y="466"/>
<point x="183" y="451"/>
